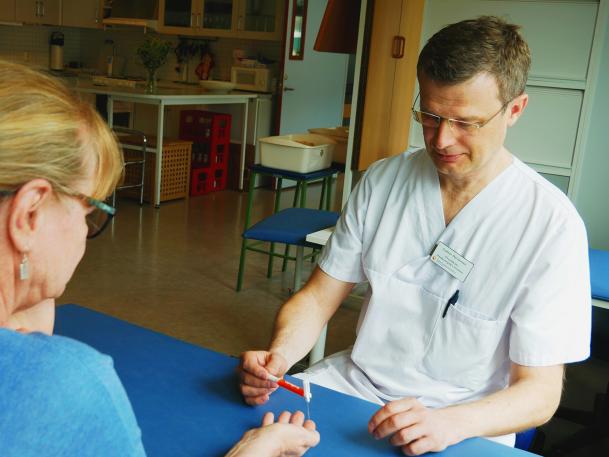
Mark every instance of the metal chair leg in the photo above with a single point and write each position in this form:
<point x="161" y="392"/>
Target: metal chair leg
<point x="328" y="181"/>
<point x="303" y="195"/>
<point x="248" y="210"/>
<point x="322" y="198"/>
<point x="250" y="201"/>
<point x="269" y="269"/>
<point x="241" y="264"/>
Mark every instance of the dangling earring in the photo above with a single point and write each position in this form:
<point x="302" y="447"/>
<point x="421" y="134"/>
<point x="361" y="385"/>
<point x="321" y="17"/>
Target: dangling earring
<point x="24" y="267"/>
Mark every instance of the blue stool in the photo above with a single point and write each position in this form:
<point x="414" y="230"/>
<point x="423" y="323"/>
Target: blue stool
<point x="596" y="422"/>
<point x="300" y="197"/>
<point x="289" y="226"/>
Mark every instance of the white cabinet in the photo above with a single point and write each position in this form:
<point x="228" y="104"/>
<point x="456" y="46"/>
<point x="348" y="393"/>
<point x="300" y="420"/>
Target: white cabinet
<point x="561" y="35"/>
<point x="38" y="11"/>
<point x="81" y="13"/>
<point x="545" y="134"/>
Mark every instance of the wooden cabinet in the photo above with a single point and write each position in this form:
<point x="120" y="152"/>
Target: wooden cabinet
<point x="38" y="11"/>
<point x="186" y="17"/>
<point x="7" y="10"/>
<point x="260" y="19"/>
<point x="250" y="19"/>
<point x="81" y="13"/>
<point x="390" y="78"/>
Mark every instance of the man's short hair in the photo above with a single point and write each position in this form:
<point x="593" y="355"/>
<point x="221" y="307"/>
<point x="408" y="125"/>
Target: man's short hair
<point x="487" y="44"/>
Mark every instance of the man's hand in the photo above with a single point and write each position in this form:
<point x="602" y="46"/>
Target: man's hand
<point x="413" y="427"/>
<point x="290" y="436"/>
<point x="253" y="374"/>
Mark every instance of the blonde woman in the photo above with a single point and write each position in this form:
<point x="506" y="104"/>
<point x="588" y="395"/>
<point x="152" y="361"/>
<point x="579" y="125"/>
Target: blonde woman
<point x="58" y="162"/>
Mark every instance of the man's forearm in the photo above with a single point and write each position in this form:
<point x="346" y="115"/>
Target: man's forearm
<point x="301" y="319"/>
<point x="528" y="402"/>
<point x="297" y="327"/>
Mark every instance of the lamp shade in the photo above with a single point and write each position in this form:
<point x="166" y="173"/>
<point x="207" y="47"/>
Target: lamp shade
<point x="339" y="26"/>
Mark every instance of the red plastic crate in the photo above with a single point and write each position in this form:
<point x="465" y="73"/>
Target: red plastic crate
<point x="201" y="155"/>
<point x="220" y="153"/>
<point x="202" y="126"/>
<point x="201" y="181"/>
<point x="219" y="178"/>
<point x="208" y="179"/>
<point x="210" y="154"/>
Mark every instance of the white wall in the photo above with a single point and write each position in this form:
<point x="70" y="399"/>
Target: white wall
<point x="591" y="197"/>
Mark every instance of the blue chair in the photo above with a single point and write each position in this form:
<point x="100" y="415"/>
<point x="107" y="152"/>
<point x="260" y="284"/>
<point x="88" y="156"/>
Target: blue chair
<point x="596" y="422"/>
<point x="289" y="226"/>
<point x="300" y="196"/>
<point x="530" y="440"/>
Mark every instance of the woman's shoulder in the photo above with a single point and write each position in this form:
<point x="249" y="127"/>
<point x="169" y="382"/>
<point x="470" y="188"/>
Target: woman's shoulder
<point x="43" y="351"/>
<point x="54" y="383"/>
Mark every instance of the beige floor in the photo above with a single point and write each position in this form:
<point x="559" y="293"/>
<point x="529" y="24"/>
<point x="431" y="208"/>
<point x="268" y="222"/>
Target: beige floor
<point x="174" y="270"/>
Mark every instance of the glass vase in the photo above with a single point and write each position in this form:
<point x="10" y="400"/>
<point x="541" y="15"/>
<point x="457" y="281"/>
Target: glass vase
<point x="151" y="81"/>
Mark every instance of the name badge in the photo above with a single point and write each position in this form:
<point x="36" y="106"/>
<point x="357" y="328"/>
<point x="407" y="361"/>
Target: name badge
<point x="451" y="261"/>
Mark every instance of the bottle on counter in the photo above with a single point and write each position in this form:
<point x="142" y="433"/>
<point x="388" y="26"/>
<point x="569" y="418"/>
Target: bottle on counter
<point x="56" y="51"/>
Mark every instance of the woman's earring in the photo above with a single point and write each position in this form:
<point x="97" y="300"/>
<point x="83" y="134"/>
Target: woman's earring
<point x="24" y="267"/>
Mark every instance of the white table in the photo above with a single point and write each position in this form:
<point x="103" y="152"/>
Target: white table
<point x="168" y="96"/>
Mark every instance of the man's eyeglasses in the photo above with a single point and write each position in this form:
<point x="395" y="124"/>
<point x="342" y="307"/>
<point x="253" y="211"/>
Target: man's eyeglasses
<point x="97" y="218"/>
<point x="433" y="121"/>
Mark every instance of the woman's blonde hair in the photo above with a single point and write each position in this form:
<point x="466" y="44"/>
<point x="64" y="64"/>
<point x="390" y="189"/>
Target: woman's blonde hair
<point x="47" y="132"/>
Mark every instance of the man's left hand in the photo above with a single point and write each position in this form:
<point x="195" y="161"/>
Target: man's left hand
<point x="413" y="427"/>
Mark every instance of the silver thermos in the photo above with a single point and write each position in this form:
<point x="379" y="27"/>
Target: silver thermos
<point x="56" y="51"/>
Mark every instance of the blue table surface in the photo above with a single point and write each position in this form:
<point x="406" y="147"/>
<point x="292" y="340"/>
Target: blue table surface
<point x="187" y="402"/>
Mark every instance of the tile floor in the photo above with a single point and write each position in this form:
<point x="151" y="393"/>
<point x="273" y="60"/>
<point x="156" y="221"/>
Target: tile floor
<point x="174" y="270"/>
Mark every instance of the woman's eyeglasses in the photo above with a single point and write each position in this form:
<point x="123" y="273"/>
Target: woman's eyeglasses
<point x="99" y="216"/>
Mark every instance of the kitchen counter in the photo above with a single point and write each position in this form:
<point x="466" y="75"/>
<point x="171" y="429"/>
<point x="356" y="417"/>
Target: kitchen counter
<point x="167" y="93"/>
<point x="167" y="90"/>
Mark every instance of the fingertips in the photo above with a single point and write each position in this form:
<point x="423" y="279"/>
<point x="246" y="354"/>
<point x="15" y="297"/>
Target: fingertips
<point x="313" y="438"/>
<point x="309" y="425"/>
<point x="256" y="401"/>
<point x="284" y="417"/>
<point x="268" y="419"/>
<point x="297" y="418"/>
<point x="256" y="381"/>
<point x="249" y="391"/>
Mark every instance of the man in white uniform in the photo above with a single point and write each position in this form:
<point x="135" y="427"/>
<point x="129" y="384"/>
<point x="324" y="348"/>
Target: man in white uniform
<point x="478" y="268"/>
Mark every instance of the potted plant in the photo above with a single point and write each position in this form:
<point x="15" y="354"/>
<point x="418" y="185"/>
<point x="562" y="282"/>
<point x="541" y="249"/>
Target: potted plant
<point x="153" y="54"/>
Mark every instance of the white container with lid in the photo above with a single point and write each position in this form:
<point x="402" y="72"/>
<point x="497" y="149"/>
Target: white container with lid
<point x="301" y="152"/>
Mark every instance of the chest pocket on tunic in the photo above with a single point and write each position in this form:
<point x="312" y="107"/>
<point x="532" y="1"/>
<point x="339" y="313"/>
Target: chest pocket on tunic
<point x="464" y="348"/>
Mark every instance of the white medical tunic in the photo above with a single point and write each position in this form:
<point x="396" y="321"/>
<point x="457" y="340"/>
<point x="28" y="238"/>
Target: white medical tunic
<point x="526" y="300"/>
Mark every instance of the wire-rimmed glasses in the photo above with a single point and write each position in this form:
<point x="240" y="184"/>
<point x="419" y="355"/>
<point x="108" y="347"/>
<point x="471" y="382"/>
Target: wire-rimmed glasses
<point x="433" y="121"/>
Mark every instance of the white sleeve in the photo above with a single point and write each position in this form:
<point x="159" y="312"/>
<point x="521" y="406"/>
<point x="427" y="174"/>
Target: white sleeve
<point x="552" y="317"/>
<point x="342" y="255"/>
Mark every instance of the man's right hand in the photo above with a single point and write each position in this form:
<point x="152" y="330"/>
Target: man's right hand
<point x="253" y="372"/>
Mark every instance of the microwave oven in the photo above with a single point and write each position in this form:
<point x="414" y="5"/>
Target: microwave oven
<point x="252" y="79"/>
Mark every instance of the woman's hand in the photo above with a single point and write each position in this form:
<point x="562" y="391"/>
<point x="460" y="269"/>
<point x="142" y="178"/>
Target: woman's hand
<point x="290" y="436"/>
